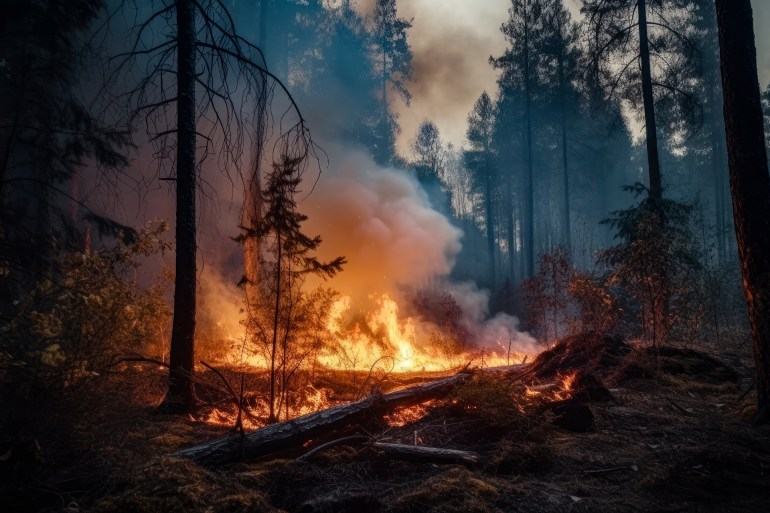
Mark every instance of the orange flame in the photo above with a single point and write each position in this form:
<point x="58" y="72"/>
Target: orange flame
<point x="395" y="343"/>
<point x="568" y="381"/>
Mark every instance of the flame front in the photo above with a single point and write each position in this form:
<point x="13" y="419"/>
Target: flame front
<point x="395" y="343"/>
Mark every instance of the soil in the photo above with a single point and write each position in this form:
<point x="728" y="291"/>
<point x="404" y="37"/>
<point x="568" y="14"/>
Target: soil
<point x="671" y="434"/>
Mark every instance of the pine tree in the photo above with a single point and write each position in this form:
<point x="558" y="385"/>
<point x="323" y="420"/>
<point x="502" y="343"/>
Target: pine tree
<point x="649" y="40"/>
<point x="480" y="161"/>
<point x="191" y="72"/>
<point x="520" y="84"/>
<point x="292" y="259"/>
<point x="393" y="59"/>
<point x="47" y="136"/>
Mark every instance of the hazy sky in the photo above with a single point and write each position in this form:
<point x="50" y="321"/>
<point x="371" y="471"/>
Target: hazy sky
<point x="452" y="41"/>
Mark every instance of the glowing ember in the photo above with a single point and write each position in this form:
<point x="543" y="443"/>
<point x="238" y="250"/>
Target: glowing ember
<point x="568" y="381"/>
<point x="405" y="416"/>
<point x="531" y="392"/>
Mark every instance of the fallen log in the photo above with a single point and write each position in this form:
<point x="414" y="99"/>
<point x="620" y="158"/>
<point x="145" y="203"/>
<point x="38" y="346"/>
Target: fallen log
<point x="296" y="432"/>
<point x="420" y="454"/>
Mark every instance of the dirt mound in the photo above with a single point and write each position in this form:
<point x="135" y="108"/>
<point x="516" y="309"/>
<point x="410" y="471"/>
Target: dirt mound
<point x="694" y="364"/>
<point x="590" y="352"/>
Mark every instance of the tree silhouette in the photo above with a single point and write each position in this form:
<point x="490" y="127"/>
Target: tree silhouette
<point x="749" y="179"/>
<point x="204" y="92"/>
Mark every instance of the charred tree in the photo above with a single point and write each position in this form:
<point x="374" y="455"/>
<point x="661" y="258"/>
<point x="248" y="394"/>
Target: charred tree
<point x="749" y="179"/>
<point x="181" y="391"/>
<point x="200" y="84"/>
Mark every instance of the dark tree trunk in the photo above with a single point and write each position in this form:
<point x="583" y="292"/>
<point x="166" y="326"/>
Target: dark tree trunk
<point x="490" y="222"/>
<point x="385" y="127"/>
<point x="510" y="230"/>
<point x="653" y="159"/>
<point x="181" y="390"/>
<point x="276" y="317"/>
<point x="565" y="162"/>
<point x="718" y="167"/>
<point x="529" y="233"/>
<point x="718" y="180"/>
<point x="749" y="179"/>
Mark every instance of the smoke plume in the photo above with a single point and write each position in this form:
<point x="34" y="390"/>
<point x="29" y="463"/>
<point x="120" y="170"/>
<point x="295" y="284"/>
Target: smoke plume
<point x="382" y="221"/>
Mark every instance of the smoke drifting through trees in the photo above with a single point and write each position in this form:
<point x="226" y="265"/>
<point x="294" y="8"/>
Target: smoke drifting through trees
<point x="546" y="154"/>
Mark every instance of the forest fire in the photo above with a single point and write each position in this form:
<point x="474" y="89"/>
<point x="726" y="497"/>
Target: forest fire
<point x="399" y="344"/>
<point x="383" y="339"/>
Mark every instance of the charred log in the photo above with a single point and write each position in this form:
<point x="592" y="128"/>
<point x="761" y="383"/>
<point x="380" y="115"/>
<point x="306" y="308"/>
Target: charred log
<point x="296" y="432"/>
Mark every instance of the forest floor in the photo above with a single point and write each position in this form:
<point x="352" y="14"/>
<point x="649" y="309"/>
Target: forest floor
<point x="672" y="439"/>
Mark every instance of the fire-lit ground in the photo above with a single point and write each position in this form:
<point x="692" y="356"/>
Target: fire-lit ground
<point x="377" y="347"/>
<point x="675" y="441"/>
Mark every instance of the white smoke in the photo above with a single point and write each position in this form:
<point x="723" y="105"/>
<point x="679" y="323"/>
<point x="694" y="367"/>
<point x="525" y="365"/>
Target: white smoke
<point x="382" y="221"/>
<point x="498" y="332"/>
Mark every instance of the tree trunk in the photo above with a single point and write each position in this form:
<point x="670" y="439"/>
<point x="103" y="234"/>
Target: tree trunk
<point x="181" y="390"/>
<point x="749" y="179"/>
<point x="717" y="164"/>
<point x="251" y="218"/>
<point x="653" y="159"/>
<point x="565" y="162"/>
<point x="529" y="236"/>
<point x="274" y="344"/>
<point x="510" y="228"/>
<point x="385" y="127"/>
<point x="490" y="222"/>
<point x="294" y="433"/>
<point x="718" y="180"/>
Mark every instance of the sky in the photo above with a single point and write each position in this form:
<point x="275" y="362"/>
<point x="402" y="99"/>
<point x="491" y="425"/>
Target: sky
<point x="452" y="41"/>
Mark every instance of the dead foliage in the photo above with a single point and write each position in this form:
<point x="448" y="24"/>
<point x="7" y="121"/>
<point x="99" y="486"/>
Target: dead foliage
<point x="591" y="352"/>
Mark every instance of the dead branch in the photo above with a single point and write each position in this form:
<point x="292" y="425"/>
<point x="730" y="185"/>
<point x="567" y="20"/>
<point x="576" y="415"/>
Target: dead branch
<point x="420" y="454"/>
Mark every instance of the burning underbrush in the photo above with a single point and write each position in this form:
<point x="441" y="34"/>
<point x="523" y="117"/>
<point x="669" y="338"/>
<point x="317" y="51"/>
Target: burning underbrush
<point x="498" y="394"/>
<point x="328" y="349"/>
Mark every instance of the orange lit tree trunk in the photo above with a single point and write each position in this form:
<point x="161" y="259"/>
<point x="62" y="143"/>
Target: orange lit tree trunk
<point x="276" y="315"/>
<point x="251" y="217"/>
<point x="749" y="179"/>
<point x="181" y="390"/>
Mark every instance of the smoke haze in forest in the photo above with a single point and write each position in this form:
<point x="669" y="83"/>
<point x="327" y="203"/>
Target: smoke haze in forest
<point x="452" y="42"/>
